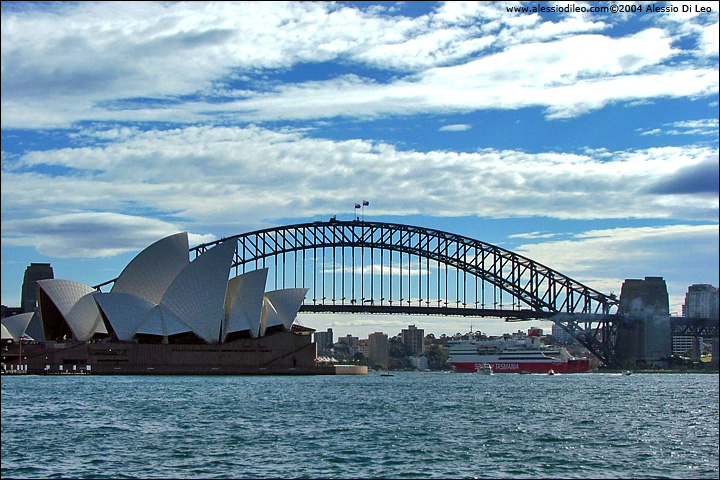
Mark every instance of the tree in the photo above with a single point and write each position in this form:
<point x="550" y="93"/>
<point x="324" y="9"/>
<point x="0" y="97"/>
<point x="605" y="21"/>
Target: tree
<point x="360" y="359"/>
<point x="437" y="358"/>
<point x="396" y="348"/>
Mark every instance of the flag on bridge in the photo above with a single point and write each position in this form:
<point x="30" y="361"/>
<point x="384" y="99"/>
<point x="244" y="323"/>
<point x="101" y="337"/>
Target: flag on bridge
<point x="365" y="203"/>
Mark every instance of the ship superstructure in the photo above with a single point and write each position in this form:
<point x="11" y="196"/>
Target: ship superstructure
<point x="514" y="356"/>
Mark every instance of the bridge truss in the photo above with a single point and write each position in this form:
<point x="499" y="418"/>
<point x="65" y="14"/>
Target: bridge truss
<point x="694" y="327"/>
<point x="375" y="267"/>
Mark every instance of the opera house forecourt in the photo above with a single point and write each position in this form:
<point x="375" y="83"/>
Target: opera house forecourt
<point x="167" y="315"/>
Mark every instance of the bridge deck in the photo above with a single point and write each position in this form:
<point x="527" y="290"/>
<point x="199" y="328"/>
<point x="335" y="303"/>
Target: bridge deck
<point x="510" y="315"/>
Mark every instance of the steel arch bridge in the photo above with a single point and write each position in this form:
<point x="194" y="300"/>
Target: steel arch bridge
<point x="375" y="267"/>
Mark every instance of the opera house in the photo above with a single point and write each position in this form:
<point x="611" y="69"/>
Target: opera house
<point x="167" y="315"/>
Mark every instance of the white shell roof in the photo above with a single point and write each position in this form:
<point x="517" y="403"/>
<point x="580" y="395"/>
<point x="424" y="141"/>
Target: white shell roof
<point x="244" y="302"/>
<point x="35" y="328"/>
<point x="64" y="293"/>
<point x="125" y="312"/>
<point x="84" y="318"/>
<point x="197" y="295"/>
<point x="286" y="303"/>
<point x="269" y="317"/>
<point x="152" y="271"/>
<point x="16" y="325"/>
<point x="161" y="293"/>
<point x="6" y="335"/>
<point x="160" y="321"/>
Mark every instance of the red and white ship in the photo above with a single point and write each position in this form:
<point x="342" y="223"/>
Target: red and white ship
<point x="514" y="356"/>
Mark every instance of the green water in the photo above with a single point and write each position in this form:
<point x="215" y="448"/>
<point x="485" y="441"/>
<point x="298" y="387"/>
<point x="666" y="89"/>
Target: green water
<point x="411" y="425"/>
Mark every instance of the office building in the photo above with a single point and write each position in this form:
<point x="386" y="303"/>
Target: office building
<point x="33" y="273"/>
<point x="412" y="337"/>
<point x="325" y="341"/>
<point x="378" y="349"/>
<point x="559" y="334"/>
<point x="701" y="301"/>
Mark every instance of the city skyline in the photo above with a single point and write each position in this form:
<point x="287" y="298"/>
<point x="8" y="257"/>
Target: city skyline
<point x="586" y="141"/>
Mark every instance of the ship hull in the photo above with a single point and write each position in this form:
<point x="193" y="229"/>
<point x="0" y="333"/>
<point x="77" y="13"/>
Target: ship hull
<point x="579" y="365"/>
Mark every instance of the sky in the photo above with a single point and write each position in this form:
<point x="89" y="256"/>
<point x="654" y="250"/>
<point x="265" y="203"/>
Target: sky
<point x="584" y="140"/>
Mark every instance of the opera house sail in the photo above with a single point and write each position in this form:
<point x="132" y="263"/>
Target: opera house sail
<point x="166" y="314"/>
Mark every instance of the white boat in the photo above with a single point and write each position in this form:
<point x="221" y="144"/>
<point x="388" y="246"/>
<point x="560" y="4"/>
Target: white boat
<point x="514" y="356"/>
<point x="627" y="372"/>
<point x="484" y="368"/>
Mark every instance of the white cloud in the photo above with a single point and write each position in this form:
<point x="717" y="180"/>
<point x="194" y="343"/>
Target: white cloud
<point x="654" y="131"/>
<point x="459" y="127"/>
<point x="710" y="40"/>
<point x="89" y="235"/>
<point x="232" y="176"/>
<point x="533" y="235"/>
<point x="707" y="126"/>
<point x="94" y="61"/>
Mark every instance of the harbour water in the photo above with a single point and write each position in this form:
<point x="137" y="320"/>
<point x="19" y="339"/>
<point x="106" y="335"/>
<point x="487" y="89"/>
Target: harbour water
<point x="410" y="425"/>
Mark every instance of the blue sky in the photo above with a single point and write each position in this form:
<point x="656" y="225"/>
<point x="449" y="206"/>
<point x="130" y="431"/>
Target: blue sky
<point x="587" y="141"/>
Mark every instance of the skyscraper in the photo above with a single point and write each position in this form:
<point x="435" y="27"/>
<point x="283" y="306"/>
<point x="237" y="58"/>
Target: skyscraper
<point x="33" y="273"/>
<point x="701" y="301"/>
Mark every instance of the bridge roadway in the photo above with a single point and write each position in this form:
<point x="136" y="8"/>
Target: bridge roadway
<point x="695" y="327"/>
<point x="509" y="315"/>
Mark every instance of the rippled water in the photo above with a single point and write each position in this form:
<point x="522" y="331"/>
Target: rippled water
<point x="412" y="425"/>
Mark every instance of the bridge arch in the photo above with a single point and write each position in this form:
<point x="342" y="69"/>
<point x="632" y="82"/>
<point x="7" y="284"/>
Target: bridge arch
<point x="377" y="267"/>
